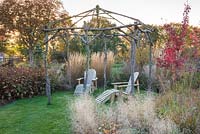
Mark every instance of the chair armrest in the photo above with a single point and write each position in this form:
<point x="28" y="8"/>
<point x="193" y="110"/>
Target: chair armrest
<point x="95" y="79"/>
<point x="119" y="83"/>
<point x="125" y="93"/>
<point x="123" y="86"/>
<point x="80" y="79"/>
<point x="120" y="86"/>
<point x="127" y="85"/>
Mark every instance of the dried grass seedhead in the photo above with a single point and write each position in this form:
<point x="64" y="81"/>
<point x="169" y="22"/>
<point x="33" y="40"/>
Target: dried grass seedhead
<point x="84" y="115"/>
<point x="74" y="68"/>
<point x="135" y="115"/>
<point x="97" y="62"/>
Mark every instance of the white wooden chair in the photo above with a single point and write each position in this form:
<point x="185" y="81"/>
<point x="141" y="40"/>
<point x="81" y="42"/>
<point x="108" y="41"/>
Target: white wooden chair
<point x="120" y="85"/>
<point x="91" y="83"/>
<point x="111" y="93"/>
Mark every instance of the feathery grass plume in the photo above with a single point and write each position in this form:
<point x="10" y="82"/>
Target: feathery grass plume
<point x="97" y="62"/>
<point x="135" y="115"/>
<point x="75" y="68"/>
<point x="84" y="115"/>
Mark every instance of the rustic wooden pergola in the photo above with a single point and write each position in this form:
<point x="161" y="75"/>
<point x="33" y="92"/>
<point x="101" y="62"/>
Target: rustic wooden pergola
<point x="136" y="28"/>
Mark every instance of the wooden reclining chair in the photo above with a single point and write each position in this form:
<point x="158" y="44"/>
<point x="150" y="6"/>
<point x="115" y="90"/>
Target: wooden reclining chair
<point x="111" y="93"/>
<point x="91" y="83"/>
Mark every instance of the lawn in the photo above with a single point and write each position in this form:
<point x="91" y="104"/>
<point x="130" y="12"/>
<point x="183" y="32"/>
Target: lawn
<point x="33" y="116"/>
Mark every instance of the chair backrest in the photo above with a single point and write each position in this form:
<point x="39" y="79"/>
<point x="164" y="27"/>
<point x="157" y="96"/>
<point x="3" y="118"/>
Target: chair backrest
<point x="128" y="89"/>
<point x="91" y="76"/>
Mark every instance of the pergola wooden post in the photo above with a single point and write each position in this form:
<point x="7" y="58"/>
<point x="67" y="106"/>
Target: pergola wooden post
<point x="133" y="50"/>
<point x="48" y="87"/>
<point x="150" y="61"/>
<point x="105" y="63"/>
<point x="88" y="55"/>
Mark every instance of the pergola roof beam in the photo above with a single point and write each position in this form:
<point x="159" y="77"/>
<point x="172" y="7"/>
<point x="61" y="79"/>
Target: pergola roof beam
<point x="90" y="29"/>
<point x="123" y="15"/>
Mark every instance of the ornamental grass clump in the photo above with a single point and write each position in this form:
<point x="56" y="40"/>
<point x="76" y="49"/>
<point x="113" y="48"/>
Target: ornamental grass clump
<point x="84" y="115"/>
<point x="97" y="62"/>
<point x="136" y="115"/>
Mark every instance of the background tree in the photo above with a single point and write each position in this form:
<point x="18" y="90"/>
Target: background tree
<point x="114" y="43"/>
<point x="28" y="17"/>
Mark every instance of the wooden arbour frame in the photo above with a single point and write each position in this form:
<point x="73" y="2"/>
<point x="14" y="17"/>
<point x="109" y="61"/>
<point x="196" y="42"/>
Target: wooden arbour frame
<point x="136" y="28"/>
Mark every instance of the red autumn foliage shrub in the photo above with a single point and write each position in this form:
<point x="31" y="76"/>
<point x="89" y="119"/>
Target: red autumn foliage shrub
<point x="23" y="82"/>
<point x="172" y="57"/>
<point x="182" y="48"/>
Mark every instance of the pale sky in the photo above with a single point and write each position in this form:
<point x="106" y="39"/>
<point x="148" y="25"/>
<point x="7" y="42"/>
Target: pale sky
<point x="148" y="11"/>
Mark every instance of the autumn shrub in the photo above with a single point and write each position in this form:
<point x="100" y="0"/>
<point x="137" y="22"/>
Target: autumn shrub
<point x="16" y="83"/>
<point x="133" y="116"/>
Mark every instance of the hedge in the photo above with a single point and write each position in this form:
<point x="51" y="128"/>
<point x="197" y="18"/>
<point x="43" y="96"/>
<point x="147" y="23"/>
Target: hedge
<point x="23" y="82"/>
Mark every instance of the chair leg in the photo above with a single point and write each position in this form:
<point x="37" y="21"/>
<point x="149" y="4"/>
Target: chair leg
<point x="112" y="99"/>
<point x="138" y="86"/>
<point x="96" y="84"/>
<point x="79" y="82"/>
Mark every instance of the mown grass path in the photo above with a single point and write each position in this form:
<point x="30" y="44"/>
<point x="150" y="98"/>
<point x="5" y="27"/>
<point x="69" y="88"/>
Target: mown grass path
<point x="33" y="116"/>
